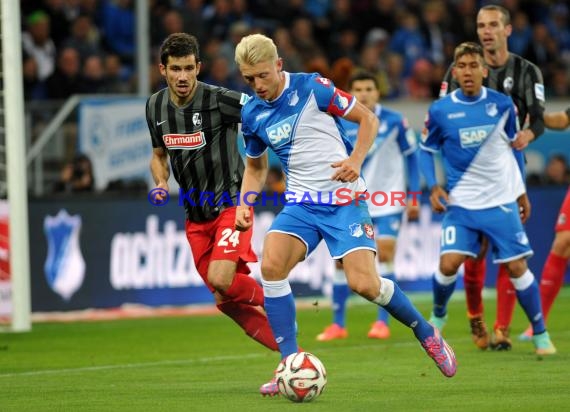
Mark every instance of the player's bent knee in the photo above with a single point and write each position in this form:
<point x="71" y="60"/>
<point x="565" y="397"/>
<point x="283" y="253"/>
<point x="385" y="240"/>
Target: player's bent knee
<point x="362" y="286"/>
<point x="220" y="282"/>
<point x="517" y="268"/>
<point x="449" y="267"/>
<point x="272" y="270"/>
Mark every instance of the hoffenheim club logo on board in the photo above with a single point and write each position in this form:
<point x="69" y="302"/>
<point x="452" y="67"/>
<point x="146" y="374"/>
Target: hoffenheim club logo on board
<point x="491" y="109"/>
<point x="64" y="267"/>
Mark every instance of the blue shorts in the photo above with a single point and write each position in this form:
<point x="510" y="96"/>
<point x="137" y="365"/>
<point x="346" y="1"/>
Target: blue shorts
<point x="344" y="228"/>
<point x="388" y="226"/>
<point x="461" y="232"/>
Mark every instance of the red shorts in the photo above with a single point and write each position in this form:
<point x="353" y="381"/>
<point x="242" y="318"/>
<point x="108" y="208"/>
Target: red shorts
<point x="218" y="240"/>
<point x="563" y="222"/>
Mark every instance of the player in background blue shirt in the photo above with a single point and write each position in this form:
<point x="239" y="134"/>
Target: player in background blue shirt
<point x="474" y="128"/>
<point x="393" y="155"/>
<point x="297" y="116"/>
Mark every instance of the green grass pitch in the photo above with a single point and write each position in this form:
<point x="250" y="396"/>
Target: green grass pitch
<point x="205" y="363"/>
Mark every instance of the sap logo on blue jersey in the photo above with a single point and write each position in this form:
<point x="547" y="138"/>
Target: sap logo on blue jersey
<point x="474" y="136"/>
<point x="280" y="133"/>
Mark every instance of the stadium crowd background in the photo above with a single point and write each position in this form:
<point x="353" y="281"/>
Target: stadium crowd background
<point x="88" y="46"/>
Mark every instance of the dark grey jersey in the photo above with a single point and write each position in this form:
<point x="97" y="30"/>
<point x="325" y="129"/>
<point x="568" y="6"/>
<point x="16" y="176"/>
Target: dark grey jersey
<point x="201" y="140"/>
<point x="519" y="79"/>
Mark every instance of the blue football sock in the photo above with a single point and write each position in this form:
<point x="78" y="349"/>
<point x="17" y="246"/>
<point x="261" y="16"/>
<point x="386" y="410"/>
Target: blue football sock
<point x="281" y="313"/>
<point x="383" y="315"/>
<point x="443" y="287"/>
<point x="400" y="307"/>
<point x="528" y="294"/>
<point x="339" y="297"/>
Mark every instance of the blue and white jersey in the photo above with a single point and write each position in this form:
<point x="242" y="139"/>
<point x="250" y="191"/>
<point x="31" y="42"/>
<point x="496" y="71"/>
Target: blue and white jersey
<point x="302" y="127"/>
<point x="475" y="136"/>
<point x="383" y="169"/>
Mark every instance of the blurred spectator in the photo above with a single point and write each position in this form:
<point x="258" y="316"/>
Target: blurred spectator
<point x="84" y="37"/>
<point x="338" y="16"/>
<point x="319" y="64"/>
<point x="65" y="80"/>
<point x="341" y="71"/>
<point x="344" y="43"/>
<point x="408" y="42"/>
<point x="542" y="47"/>
<point x="116" y="81"/>
<point x="433" y="29"/>
<point x="556" y="171"/>
<point x="76" y="176"/>
<point x="220" y="75"/>
<point x="241" y="13"/>
<point x="370" y="61"/>
<point x="218" y="18"/>
<point x="420" y="84"/>
<point x="192" y="13"/>
<point x="119" y="28"/>
<point x="37" y="43"/>
<point x="303" y="38"/>
<point x="559" y="26"/>
<point x="521" y="35"/>
<point x="93" y="79"/>
<point x="237" y="30"/>
<point x="60" y="20"/>
<point x="34" y="89"/>
<point x="558" y="84"/>
<point x="464" y="20"/>
<point x="394" y="70"/>
<point x="292" y="60"/>
<point x="381" y="14"/>
<point x="170" y="22"/>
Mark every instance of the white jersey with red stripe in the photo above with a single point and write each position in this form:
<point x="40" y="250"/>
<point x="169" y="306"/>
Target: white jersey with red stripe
<point x="302" y="127"/>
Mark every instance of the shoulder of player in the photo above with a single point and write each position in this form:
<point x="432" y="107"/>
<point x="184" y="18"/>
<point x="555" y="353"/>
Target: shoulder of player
<point x="441" y="104"/>
<point x="499" y="96"/>
<point x="503" y="101"/>
<point x="525" y="63"/>
<point x="156" y="96"/>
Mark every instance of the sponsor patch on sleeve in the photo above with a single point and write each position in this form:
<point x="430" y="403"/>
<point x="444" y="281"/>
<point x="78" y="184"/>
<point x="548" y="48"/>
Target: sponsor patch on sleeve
<point x="539" y="91"/>
<point x="243" y="99"/>
<point x="340" y="102"/>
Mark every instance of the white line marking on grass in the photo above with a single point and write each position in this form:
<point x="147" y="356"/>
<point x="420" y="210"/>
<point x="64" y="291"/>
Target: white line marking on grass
<point x="212" y="359"/>
<point x="131" y="365"/>
<point x="181" y="361"/>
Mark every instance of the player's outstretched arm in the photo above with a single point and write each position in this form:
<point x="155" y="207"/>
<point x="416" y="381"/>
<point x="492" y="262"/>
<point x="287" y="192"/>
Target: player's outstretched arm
<point x="253" y="180"/>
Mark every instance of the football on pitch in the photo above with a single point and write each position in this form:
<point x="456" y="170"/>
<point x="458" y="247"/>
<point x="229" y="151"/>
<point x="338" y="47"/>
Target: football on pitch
<point x="301" y="377"/>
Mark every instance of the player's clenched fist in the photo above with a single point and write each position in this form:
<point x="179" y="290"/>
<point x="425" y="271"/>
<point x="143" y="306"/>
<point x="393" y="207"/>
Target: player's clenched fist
<point x="243" y="218"/>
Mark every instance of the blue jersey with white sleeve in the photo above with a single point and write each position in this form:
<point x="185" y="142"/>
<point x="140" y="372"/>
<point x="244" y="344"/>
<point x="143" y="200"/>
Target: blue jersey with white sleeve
<point x="302" y="127"/>
<point x="383" y="169"/>
<point x="475" y="136"/>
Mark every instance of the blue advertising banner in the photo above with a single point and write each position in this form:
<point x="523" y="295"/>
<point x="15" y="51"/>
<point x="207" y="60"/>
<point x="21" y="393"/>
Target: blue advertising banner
<point x="103" y="252"/>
